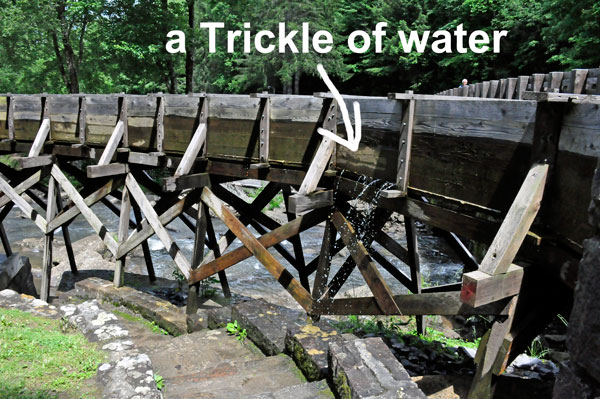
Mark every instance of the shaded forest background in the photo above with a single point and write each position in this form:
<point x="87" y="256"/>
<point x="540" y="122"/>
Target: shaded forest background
<point x="108" y="46"/>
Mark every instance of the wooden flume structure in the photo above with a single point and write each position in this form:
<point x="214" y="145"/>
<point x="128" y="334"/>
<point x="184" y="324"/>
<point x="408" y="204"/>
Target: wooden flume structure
<point x="513" y="174"/>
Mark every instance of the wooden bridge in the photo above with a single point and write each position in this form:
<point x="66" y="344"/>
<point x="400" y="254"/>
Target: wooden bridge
<point x="514" y="174"/>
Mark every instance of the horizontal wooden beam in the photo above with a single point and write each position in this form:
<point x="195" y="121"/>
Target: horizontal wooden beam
<point x="111" y="169"/>
<point x="438" y="303"/>
<point x="561" y="97"/>
<point x="480" y="288"/>
<point x="178" y="183"/>
<point x="299" y="203"/>
<point x="33" y="162"/>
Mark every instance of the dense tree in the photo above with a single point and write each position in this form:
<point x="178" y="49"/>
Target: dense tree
<point x="67" y="46"/>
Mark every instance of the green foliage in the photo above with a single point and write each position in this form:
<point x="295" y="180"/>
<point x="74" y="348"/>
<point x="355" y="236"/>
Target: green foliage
<point x="102" y="46"/>
<point x="563" y="320"/>
<point x="536" y="349"/>
<point x="235" y="329"/>
<point x="37" y="360"/>
<point x="160" y="383"/>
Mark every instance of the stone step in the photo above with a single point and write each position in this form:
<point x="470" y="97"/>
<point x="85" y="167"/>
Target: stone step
<point x="367" y="368"/>
<point x="309" y="390"/>
<point x="234" y="380"/>
<point x="192" y="353"/>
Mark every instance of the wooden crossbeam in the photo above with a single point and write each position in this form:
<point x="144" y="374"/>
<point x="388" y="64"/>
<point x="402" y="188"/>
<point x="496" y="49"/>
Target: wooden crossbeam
<point x="435" y="303"/>
<point x="145" y="230"/>
<point x="85" y="210"/>
<point x="161" y="232"/>
<point x="111" y="169"/>
<point x="381" y="291"/>
<point x="40" y="138"/>
<point x="299" y="203"/>
<point x="179" y="183"/>
<point x="480" y="288"/>
<point x="113" y="143"/>
<point x="23" y="205"/>
<point x="517" y="222"/>
<point x="281" y="274"/>
<point x="267" y="240"/>
<point x="71" y="212"/>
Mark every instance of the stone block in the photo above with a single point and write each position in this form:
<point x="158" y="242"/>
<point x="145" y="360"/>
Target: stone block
<point x="15" y="274"/>
<point x="308" y="345"/>
<point x="267" y="324"/>
<point x="366" y="368"/>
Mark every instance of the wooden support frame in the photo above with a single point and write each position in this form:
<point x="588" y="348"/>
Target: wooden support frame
<point x="40" y="138"/>
<point x="480" y="288"/>
<point x="325" y="151"/>
<point x="119" y="276"/>
<point x="405" y="145"/>
<point x="113" y="143"/>
<point x="258" y="250"/>
<point x="82" y="120"/>
<point x="160" y="124"/>
<point x="303" y="203"/>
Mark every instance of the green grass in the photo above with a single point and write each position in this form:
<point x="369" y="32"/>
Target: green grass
<point x="155" y="328"/>
<point x="38" y="361"/>
<point x="395" y="327"/>
<point x="273" y="204"/>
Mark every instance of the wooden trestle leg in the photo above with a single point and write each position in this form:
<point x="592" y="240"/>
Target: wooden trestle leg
<point x="199" y="239"/>
<point x="48" y="238"/>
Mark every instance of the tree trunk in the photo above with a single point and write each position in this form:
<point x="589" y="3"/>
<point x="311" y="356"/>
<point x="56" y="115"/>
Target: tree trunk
<point x="297" y="82"/>
<point x="189" y="53"/>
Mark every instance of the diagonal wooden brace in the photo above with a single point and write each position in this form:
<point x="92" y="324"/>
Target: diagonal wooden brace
<point x="280" y="273"/>
<point x="23" y="205"/>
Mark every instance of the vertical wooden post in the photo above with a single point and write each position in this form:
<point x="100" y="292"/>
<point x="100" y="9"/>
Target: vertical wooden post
<point x="82" y="119"/>
<point x="48" y="238"/>
<point x="324" y="264"/>
<point x="296" y="241"/>
<point x="145" y="248"/>
<point x="122" y="236"/>
<point x="415" y="265"/>
<point x="160" y="127"/>
<point x="199" y="240"/>
<point x="217" y="252"/>
<point x="265" y="128"/>
<point x="10" y="116"/>
<point x="405" y="145"/>
<point x="66" y="235"/>
<point x="123" y="118"/>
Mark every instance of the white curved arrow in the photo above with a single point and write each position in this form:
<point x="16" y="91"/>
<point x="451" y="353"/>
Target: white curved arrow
<point x="354" y="136"/>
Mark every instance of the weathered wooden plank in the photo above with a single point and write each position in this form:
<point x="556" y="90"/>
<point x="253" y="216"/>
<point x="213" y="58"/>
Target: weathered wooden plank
<point x="85" y="210"/>
<point x="299" y="203"/>
<point x="113" y="143"/>
<point x="405" y="146"/>
<point x="175" y="183"/>
<point x="152" y="217"/>
<point x="122" y="232"/>
<point x="199" y="241"/>
<point x="480" y="288"/>
<point x="22" y="204"/>
<point x="111" y="169"/>
<point x="48" y="238"/>
<point x="190" y="155"/>
<point x="517" y="222"/>
<point x="70" y="213"/>
<point x="258" y="250"/>
<point x="555" y="81"/>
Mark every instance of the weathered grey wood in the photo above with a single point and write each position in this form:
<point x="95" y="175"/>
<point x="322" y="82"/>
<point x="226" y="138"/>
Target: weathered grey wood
<point x="517" y="222"/>
<point x="265" y="131"/>
<point x="562" y="97"/>
<point x="196" y="180"/>
<point x="502" y="89"/>
<point x="324" y="153"/>
<point x="143" y="158"/>
<point x="555" y="81"/>
<point x="152" y="217"/>
<point x="538" y="82"/>
<point x="199" y="239"/>
<point x="188" y="159"/>
<point x="521" y="86"/>
<point x="81" y="119"/>
<point x="123" y="231"/>
<point x="48" y="238"/>
<point x="85" y="210"/>
<point x="5" y="242"/>
<point x="160" y="125"/>
<point x="33" y="162"/>
<point x="489" y="350"/>
<point x="145" y="248"/>
<point x="10" y="116"/>
<point x="299" y="203"/>
<point x="66" y="235"/>
<point x="111" y="169"/>
<point x="478" y="89"/>
<point x="492" y="93"/>
<point x="113" y="143"/>
<point x="22" y="204"/>
<point x="146" y="230"/>
<point x="123" y="116"/>
<point x="480" y="288"/>
<point x="324" y="263"/>
<point x="40" y="138"/>
<point x="511" y="85"/>
<point x="405" y="145"/>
